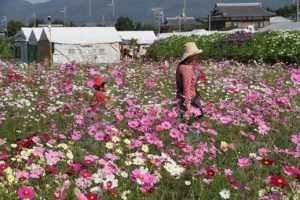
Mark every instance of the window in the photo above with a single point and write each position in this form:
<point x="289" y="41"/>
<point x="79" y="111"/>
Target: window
<point x="18" y="52"/>
<point x="236" y="24"/>
<point x="258" y="24"/>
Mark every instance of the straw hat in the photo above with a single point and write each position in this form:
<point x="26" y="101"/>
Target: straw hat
<point x="190" y="49"/>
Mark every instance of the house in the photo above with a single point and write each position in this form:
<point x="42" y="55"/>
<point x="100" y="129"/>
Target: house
<point x="80" y="44"/>
<point x="282" y="26"/>
<point x="32" y="43"/>
<point x="227" y="16"/>
<point x="21" y="44"/>
<point x="179" y="24"/>
<point x="279" y="19"/>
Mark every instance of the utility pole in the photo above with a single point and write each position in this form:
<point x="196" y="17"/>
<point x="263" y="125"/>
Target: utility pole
<point x="34" y="19"/>
<point x="50" y="43"/>
<point x="297" y="16"/>
<point x="158" y="13"/>
<point x="113" y="11"/>
<point x="65" y="15"/>
<point x="90" y="12"/>
<point x="184" y="13"/>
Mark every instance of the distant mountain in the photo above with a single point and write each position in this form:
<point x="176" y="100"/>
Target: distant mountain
<point x="137" y="10"/>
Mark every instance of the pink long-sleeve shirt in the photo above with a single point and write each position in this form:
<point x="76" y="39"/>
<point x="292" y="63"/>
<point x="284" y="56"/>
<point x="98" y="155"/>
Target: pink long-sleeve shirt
<point x="186" y="85"/>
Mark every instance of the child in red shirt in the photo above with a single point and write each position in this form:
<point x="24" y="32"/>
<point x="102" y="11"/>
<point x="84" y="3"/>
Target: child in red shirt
<point x="99" y="102"/>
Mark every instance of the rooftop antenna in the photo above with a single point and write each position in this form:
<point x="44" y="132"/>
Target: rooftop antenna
<point x="113" y="5"/>
<point x="65" y="15"/>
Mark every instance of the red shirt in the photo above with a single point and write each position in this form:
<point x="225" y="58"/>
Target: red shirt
<point x="99" y="99"/>
<point x="186" y="84"/>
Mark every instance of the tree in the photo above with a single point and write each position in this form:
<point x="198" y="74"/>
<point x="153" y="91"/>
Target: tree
<point x="58" y="21"/>
<point x="203" y="24"/>
<point x="286" y="11"/>
<point x="124" y="23"/>
<point x="150" y="27"/>
<point x="13" y="27"/>
<point x="138" y="26"/>
<point x="37" y="22"/>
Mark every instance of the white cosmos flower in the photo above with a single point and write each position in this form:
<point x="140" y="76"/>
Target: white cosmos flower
<point x="225" y="194"/>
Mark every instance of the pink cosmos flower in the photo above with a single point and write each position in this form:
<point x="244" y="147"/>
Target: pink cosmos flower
<point x="93" y="71"/>
<point x="26" y="192"/>
<point x="263" y="129"/>
<point x="81" y="196"/>
<point x="79" y="119"/>
<point x="228" y="172"/>
<point x="263" y="151"/>
<point x="295" y="76"/>
<point x="90" y="83"/>
<point x="295" y="139"/>
<point x="22" y="175"/>
<point x="226" y="119"/>
<point x="292" y="171"/>
<point x="133" y="124"/>
<point x="36" y="172"/>
<point x="76" y="135"/>
<point x="166" y="125"/>
<point x="52" y="157"/>
<point x="243" y="162"/>
<point x="83" y="182"/>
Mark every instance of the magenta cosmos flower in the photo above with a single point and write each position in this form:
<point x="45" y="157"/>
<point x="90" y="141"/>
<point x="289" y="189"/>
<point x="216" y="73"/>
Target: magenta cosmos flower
<point x="26" y="192"/>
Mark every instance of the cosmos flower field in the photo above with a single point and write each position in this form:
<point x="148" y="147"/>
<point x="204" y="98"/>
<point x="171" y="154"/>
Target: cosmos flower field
<point x="247" y="145"/>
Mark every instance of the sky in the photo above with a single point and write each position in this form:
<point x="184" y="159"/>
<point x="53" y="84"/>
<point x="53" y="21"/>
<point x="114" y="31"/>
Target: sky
<point x="37" y="1"/>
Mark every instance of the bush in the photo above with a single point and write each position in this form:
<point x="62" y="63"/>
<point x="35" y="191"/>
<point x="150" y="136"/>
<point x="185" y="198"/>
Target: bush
<point x="6" y="50"/>
<point x="270" y="47"/>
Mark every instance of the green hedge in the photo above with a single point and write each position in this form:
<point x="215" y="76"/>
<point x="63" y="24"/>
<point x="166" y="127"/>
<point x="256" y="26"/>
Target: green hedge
<point x="270" y="47"/>
<point x="6" y="51"/>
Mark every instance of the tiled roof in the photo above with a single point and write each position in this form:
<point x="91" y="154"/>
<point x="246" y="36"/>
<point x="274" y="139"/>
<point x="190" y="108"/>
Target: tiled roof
<point x="240" y="10"/>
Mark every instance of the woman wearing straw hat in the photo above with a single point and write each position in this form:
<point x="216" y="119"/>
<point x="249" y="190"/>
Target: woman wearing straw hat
<point x="186" y="79"/>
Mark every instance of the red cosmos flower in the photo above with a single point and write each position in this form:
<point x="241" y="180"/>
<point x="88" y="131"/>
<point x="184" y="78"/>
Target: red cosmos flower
<point x="91" y="196"/>
<point x="267" y="161"/>
<point x="18" y="76"/>
<point x="107" y="138"/>
<point x="85" y="174"/>
<point x="50" y="169"/>
<point x="88" y="162"/>
<point x="232" y="180"/>
<point x="3" y="155"/>
<point x="113" y="192"/>
<point x="210" y="172"/>
<point x="278" y="181"/>
<point x="202" y="76"/>
<point x="2" y="168"/>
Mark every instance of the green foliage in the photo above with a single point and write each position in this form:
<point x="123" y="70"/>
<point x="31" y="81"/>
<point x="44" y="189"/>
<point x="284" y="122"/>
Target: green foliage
<point x="124" y="23"/>
<point x="6" y="50"/>
<point x="13" y="27"/>
<point x="270" y="47"/>
<point x="36" y="22"/>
